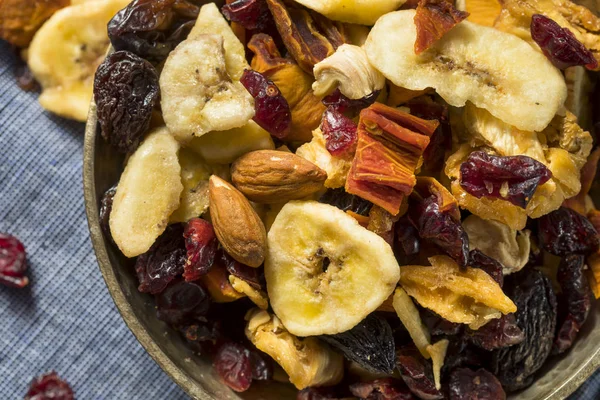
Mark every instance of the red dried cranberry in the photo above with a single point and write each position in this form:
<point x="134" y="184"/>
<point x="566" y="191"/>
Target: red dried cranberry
<point x="496" y="334"/>
<point x="576" y="300"/>
<point x="340" y="133"/>
<point x="559" y="44"/>
<point x="252" y="276"/>
<point x="317" y="393"/>
<point x="232" y="363"/>
<point x="201" y="245"/>
<point x="564" y="232"/>
<point x="13" y="262"/>
<point x="106" y="203"/>
<point x="163" y="262"/>
<point x="349" y="106"/>
<point x="417" y="373"/>
<point x="513" y="178"/>
<point x="272" y="109"/>
<point x="491" y="266"/>
<point x="49" y="387"/>
<point x="382" y="389"/>
<point x="253" y="15"/>
<point x="466" y="384"/>
<point x="182" y="301"/>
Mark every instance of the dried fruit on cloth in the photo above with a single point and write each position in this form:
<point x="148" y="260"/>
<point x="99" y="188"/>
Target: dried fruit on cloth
<point x="467" y="296"/>
<point x="49" y="386"/>
<point x="390" y="146"/>
<point x="433" y="19"/>
<point x="20" y="20"/>
<point x="13" y="262"/>
<point x="435" y="214"/>
<point x="308" y="362"/>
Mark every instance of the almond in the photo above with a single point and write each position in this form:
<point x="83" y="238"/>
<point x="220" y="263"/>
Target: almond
<point x="270" y="176"/>
<point x="237" y="226"/>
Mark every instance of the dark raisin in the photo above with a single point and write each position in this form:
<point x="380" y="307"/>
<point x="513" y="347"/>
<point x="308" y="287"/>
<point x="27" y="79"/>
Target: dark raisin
<point x="576" y="298"/>
<point x="370" y="344"/>
<point x="201" y="332"/>
<point x="152" y="28"/>
<point x="496" y="334"/>
<point x="437" y="325"/>
<point x="407" y="238"/>
<point x="262" y="366"/>
<point x="163" y="262"/>
<point x="13" y="262"/>
<point x="318" y="393"/>
<point x="201" y="245"/>
<point x="253" y="15"/>
<point x="488" y="264"/>
<point x="106" y="203"/>
<point x="466" y="384"/>
<point x="514" y="179"/>
<point x="559" y="44"/>
<point x="182" y="301"/>
<point x="346" y="201"/>
<point x="417" y="373"/>
<point x="340" y="133"/>
<point x="349" y="106"/>
<point x="232" y="363"/>
<point x="382" y="389"/>
<point x="564" y="232"/>
<point x="461" y="353"/>
<point x="532" y="293"/>
<point x="125" y="90"/>
<point x="272" y="109"/>
<point x="25" y="79"/>
<point x="49" y="387"/>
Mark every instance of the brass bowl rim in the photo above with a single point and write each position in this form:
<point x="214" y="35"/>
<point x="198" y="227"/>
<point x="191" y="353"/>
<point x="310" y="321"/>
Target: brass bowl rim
<point x="180" y="377"/>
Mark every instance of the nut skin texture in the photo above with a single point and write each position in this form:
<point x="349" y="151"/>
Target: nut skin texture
<point x="269" y="176"/>
<point x="237" y="226"/>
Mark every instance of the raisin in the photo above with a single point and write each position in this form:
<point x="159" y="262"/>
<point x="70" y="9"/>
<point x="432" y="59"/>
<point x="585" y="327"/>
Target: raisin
<point x="272" y="111"/>
<point x="49" y="387"/>
<point x="200" y="332"/>
<point x="349" y="106"/>
<point x="577" y="298"/>
<point x="466" y="384"/>
<point x="437" y="325"/>
<point x="163" y="262"/>
<point x="382" y="389"/>
<point x="417" y="373"/>
<point x="340" y="133"/>
<point x="496" y="334"/>
<point x="262" y="366"/>
<point x="407" y="237"/>
<point x="564" y="232"/>
<point x="125" y="90"/>
<point x="514" y="179"/>
<point x="253" y="15"/>
<point x="461" y="353"/>
<point x="13" y="262"/>
<point x="201" y="246"/>
<point x="488" y="264"/>
<point x="106" y="203"/>
<point x="346" y="201"/>
<point x="232" y="363"/>
<point x="559" y="44"/>
<point x="370" y="344"/>
<point x="182" y="301"/>
<point x="532" y="293"/>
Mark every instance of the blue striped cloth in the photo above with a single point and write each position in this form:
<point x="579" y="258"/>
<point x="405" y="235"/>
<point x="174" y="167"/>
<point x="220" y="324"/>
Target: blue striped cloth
<point x="65" y="320"/>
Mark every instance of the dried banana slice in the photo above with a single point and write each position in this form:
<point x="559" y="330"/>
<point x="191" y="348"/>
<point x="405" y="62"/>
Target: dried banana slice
<point x="364" y="12"/>
<point x="147" y="194"/>
<point x="319" y="262"/>
<point x="491" y="69"/>
<point x="198" y="95"/>
<point x="65" y="53"/>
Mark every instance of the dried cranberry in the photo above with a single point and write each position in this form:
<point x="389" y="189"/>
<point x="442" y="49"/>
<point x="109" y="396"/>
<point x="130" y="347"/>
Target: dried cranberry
<point x="106" y="203"/>
<point x="488" y="264"/>
<point x="577" y="298"/>
<point x="346" y="201"/>
<point x="163" y="262"/>
<point x="253" y="15"/>
<point x="559" y="44"/>
<point x="182" y="301"/>
<point x="317" y="393"/>
<point x="262" y="366"/>
<point x="272" y="109"/>
<point x="382" y="389"/>
<point x="253" y="276"/>
<point x="232" y="363"/>
<point x="514" y="179"/>
<point x="125" y="90"/>
<point x="349" y="106"/>
<point x="340" y="133"/>
<point x="201" y="245"/>
<point x="466" y="384"/>
<point x="496" y="334"/>
<point x="13" y="262"/>
<point x="564" y="232"/>
<point x="417" y="373"/>
<point x="49" y="387"/>
<point x="152" y="28"/>
<point x="437" y="325"/>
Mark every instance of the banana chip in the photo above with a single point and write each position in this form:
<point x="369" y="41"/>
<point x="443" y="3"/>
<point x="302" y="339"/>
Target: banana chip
<point x="355" y="11"/>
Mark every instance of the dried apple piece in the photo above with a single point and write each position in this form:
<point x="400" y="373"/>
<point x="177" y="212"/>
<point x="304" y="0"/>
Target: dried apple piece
<point x="438" y="354"/>
<point x="468" y="296"/>
<point x="411" y="319"/>
<point x="433" y="19"/>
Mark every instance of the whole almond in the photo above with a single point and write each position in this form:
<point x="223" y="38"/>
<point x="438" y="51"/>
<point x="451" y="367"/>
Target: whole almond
<point x="270" y="176"/>
<point x="237" y="226"/>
